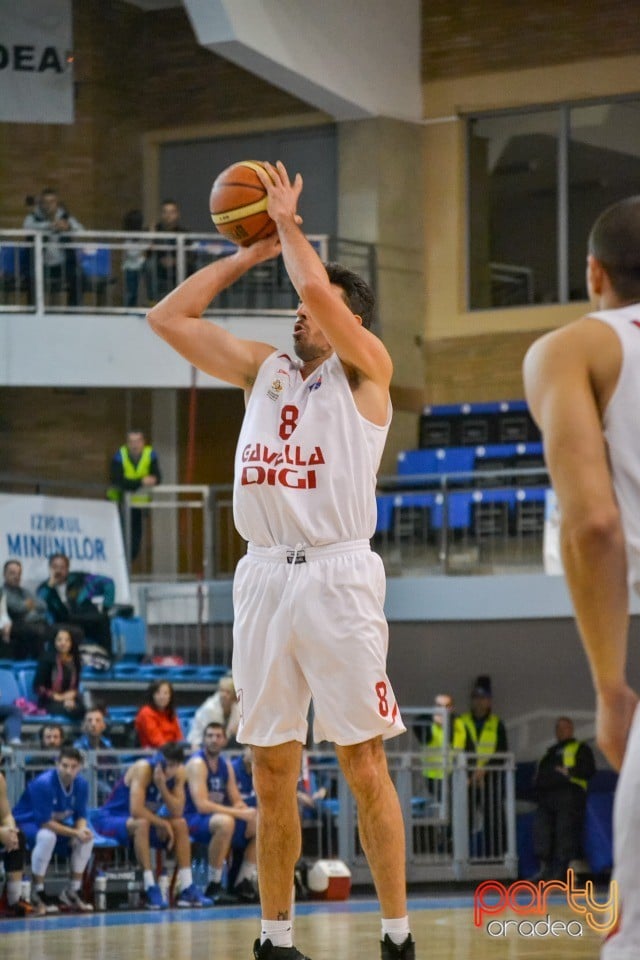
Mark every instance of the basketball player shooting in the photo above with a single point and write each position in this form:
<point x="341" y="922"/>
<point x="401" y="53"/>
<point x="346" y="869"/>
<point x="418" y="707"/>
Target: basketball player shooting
<point x="583" y="386"/>
<point x="308" y="595"/>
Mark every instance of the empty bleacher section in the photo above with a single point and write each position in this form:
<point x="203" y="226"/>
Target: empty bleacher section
<point x="474" y="491"/>
<point x="471" y="424"/>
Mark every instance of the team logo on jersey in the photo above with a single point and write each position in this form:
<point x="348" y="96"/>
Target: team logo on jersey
<point x="316" y="384"/>
<point x="276" y="388"/>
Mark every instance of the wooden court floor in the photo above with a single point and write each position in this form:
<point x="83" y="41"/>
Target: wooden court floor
<point x="443" y="929"/>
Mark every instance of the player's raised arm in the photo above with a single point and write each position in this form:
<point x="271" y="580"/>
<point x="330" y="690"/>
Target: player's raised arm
<point x="178" y="318"/>
<point x="356" y="346"/>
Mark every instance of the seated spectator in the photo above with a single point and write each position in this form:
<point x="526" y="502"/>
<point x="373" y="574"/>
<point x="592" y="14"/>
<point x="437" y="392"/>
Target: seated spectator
<point x="69" y="596"/>
<point x="93" y="737"/>
<point x="146" y="809"/>
<point x="51" y="740"/>
<point x="561" y="785"/>
<point x="13" y="851"/>
<point x="57" y="679"/>
<point x="307" y="792"/>
<point x="28" y="632"/>
<point x="52" y="812"/>
<point x="156" y="722"/>
<point x="221" y="707"/>
<point x="214" y="810"/>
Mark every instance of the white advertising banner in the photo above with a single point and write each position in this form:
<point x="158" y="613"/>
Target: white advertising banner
<point x="551" y="539"/>
<point x="36" y="61"/>
<point x="86" y="531"/>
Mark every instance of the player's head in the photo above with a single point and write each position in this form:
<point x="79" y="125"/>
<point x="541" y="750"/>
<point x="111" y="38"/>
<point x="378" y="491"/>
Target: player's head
<point x="69" y="764"/>
<point x="357" y="294"/>
<point x="614" y="247"/>
<point x="170" y="756"/>
<point x="214" y="739"/>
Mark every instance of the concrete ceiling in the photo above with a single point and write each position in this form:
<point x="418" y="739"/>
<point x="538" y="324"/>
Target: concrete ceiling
<point x="351" y="60"/>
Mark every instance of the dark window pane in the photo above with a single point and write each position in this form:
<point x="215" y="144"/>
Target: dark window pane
<point x="513" y="209"/>
<point x="604" y="167"/>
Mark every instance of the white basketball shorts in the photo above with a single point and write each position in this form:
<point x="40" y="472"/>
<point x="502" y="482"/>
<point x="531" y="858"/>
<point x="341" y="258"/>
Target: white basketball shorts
<point x="312" y="628"/>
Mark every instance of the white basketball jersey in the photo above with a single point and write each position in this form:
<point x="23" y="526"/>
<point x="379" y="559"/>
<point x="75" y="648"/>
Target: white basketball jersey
<point x="622" y="430"/>
<point x="306" y="460"/>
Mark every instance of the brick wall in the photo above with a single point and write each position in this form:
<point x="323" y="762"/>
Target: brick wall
<point x="134" y="72"/>
<point x="481" y="36"/>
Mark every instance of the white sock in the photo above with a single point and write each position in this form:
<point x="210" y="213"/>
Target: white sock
<point x="14" y="889"/>
<point x="75" y="885"/>
<point x="185" y="878"/>
<point x="247" y="871"/>
<point x="215" y="874"/>
<point x="280" y="932"/>
<point x="149" y="879"/>
<point x="398" y="930"/>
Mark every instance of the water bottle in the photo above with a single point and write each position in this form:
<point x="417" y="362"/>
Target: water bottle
<point x="25" y="889"/>
<point x="163" y="883"/>
<point x="133" y="894"/>
<point x="100" y="891"/>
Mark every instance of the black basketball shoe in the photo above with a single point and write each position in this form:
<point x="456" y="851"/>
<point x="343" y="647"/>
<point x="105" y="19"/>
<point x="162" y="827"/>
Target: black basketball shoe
<point x="389" y="950"/>
<point x="267" y="951"/>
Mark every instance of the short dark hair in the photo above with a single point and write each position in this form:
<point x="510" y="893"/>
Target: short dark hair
<point x="58" y="556"/>
<point x="217" y="724"/>
<point x="615" y="242"/>
<point x="8" y="563"/>
<point x="70" y="753"/>
<point x="358" y="294"/>
<point x="172" y="751"/>
<point x="50" y="726"/>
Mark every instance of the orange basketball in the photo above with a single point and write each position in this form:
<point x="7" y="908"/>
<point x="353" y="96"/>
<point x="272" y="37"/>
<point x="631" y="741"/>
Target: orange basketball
<point x="238" y="204"/>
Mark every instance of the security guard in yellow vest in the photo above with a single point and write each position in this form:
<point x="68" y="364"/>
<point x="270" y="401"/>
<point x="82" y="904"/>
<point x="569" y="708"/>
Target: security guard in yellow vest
<point x="134" y="467"/>
<point x="486" y="736"/>
<point x="433" y="738"/>
<point x="561" y="784"/>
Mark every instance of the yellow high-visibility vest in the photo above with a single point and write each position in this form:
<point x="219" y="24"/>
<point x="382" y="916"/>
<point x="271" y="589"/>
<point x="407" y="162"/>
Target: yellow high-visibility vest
<point x="434" y="749"/>
<point x="133" y="471"/>
<point x="569" y="753"/>
<point x="486" y="744"/>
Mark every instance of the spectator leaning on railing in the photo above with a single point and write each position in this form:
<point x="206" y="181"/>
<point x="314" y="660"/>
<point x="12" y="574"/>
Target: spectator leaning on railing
<point x="60" y="261"/>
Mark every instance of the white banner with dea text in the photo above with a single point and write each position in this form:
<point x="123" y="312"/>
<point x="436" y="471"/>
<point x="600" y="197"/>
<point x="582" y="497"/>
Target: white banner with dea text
<point x="86" y="531"/>
<point x="36" y="61"/>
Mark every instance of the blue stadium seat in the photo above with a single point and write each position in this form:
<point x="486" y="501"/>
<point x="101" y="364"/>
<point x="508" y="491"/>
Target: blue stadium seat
<point x="384" y="504"/>
<point x="25" y="678"/>
<point x="9" y="689"/>
<point x="129" y="638"/>
<point x="127" y="671"/>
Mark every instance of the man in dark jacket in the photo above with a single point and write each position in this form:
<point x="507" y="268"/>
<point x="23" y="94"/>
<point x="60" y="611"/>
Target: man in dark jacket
<point x="29" y="632"/>
<point x="561" y="784"/>
<point x="69" y="599"/>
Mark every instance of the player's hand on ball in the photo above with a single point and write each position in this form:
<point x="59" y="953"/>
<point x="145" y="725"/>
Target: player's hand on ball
<point x="282" y="193"/>
<point x="265" y="249"/>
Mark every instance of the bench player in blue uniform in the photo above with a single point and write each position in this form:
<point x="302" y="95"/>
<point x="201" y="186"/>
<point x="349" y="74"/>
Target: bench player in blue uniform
<point x="52" y="814"/>
<point x="215" y="809"/>
<point x="146" y="809"/>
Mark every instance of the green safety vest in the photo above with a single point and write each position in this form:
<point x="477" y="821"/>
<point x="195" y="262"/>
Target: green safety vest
<point x="133" y="471"/>
<point x="569" y="752"/>
<point x="434" y="749"/>
<point x="485" y="745"/>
